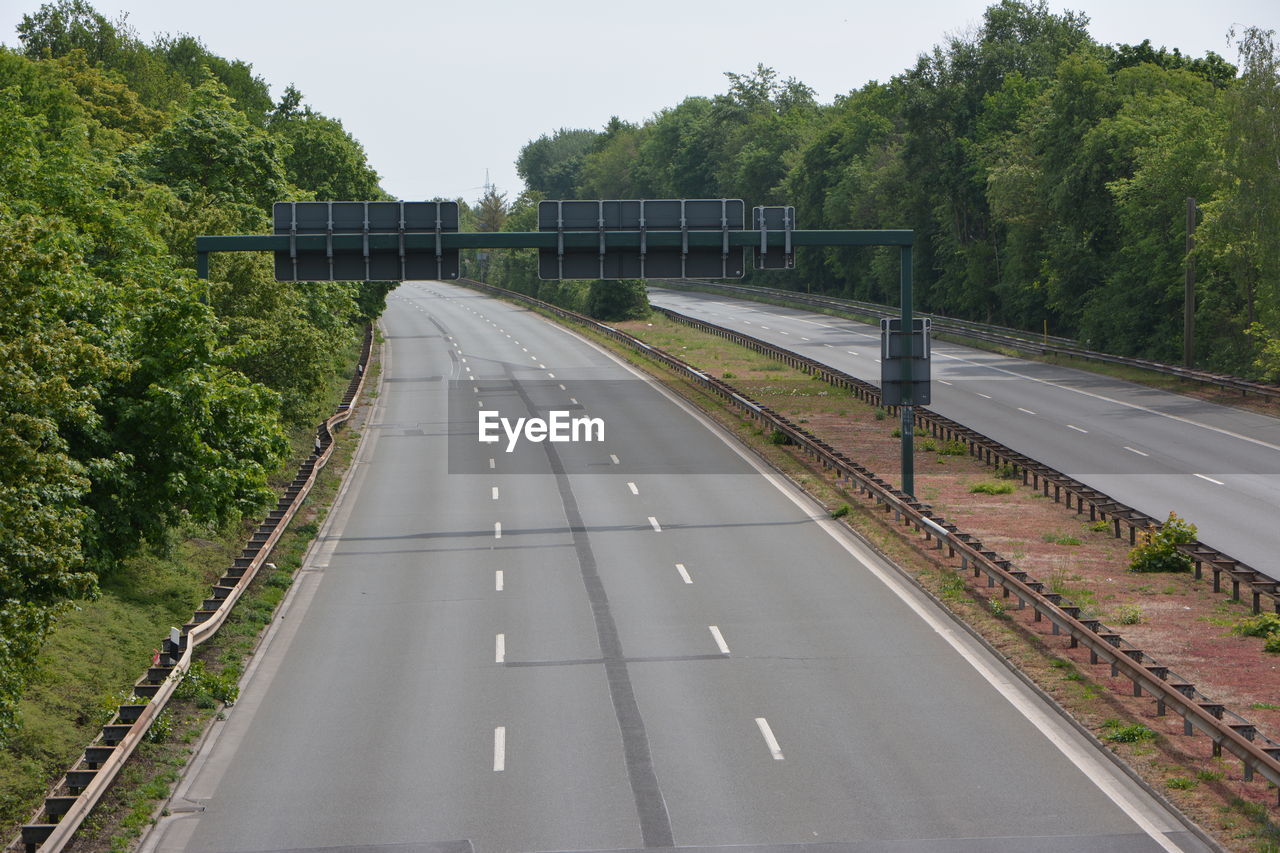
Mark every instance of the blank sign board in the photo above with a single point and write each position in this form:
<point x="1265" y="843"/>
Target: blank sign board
<point x="642" y="218"/>
<point x="384" y="258"/>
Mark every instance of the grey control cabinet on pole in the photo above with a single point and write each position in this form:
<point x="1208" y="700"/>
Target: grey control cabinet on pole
<point x="902" y="356"/>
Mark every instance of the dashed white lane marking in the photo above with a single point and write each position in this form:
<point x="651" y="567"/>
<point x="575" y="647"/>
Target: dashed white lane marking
<point x="828" y="346"/>
<point x="653" y="522"/>
<point x="533" y="358"/>
<point x="803" y="338"/>
<point x="499" y="749"/>
<point x="562" y="388"/>
<point x="763" y="326"/>
<point x="492" y="464"/>
<point x="497" y="530"/>
<point x="983" y="396"/>
<point x="476" y="390"/>
<point x="500" y="648"/>
<point x="632" y="487"/>
<point x="769" y="740"/>
<point x="1211" y="480"/>
<point x="783" y="333"/>
<point x="719" y="638"/>
<point x="479" y="403"/>
<point x="542" y="366"/>
<point x="464" y="361"/>
<point x="1135" y="450"/>
<point x="495" y="493"/>
<point x="1028" y="411"/>
<point x="526" y="349"/>
<point x="614" y="459"/>
<point x="944" y="382"/>
<point x="497" y="580"/>
<point x="684" y="573"/>
<point x="1077" y="429"/>
<point x="573" y="400"/>
<point x="850" y="352"/>
<point x="550" y="375"/>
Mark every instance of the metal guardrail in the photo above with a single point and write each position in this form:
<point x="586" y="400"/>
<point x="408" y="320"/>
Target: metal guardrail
<point x="1227" y="730"/>
<point x="999" y="335"/>
<point x="1261" y="587"/>
<point x="76" y="794"/>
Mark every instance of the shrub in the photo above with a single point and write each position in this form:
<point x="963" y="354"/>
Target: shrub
<point x="779" y="437"/>
<point x="840" y="511"/>
<point x="1157" y="550"/>
<point x="1117" y="732"/>
<point x="954" y="447"/>
<point x="928" y="445"/>
<point x="991" y="488"/>
<point x="161" y="728"/>
<point x="880" y="413"/>
<point x="1129" y="614"/>
<point x="204" y="688"/>
<point x="1180" y="783"/>
<point x="1272" y="644"/>
<point x="1262" y="625"/>
<point x="1007" y="472"/>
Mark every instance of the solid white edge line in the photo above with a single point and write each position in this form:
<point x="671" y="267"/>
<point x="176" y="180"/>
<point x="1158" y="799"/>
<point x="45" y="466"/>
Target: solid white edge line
<point x="1085" y="758"/>
<point x="500" y="648"/>
<point x="497" y="580"/>
<point x="684" y="573"/>
<point x="499" y="749"/>
<point x="653" y="522"/>
<point x="719" y="638"/>
<point x="769" y="740"/>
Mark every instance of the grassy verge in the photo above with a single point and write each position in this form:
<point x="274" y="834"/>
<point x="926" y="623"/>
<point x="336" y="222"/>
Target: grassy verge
<point x="1047" y="539"/>
<point x="99" y="649"/>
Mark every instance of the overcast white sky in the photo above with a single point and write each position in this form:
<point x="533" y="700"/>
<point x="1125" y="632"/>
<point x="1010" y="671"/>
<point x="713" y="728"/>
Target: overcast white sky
<point x="439" y="92"/>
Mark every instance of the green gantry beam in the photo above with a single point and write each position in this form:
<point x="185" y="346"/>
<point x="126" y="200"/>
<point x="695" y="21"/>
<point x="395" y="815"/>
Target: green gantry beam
<point x="549" y="240"/>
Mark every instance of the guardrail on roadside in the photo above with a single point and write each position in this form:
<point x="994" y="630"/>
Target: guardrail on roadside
<point x="77" y="793"/>
<point x="999" y="335"/>
<point x="1227" y="730"/>
<point x="1261" y="587"/>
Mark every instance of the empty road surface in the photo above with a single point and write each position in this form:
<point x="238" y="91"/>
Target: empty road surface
<point x="1158" y="452"/>
<point x="643" y="641"/>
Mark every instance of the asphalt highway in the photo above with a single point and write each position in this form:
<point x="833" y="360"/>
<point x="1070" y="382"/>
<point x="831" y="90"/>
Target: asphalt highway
<point x="645" y="641"/>
<point x="1156" y="451"/>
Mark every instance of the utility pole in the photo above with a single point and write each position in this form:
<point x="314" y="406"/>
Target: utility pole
<point x="1189" y="291"/>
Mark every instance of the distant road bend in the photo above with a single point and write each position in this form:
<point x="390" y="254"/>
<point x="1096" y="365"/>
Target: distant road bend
<point x="646" y="642"/>
<point x="1156" y="451"/>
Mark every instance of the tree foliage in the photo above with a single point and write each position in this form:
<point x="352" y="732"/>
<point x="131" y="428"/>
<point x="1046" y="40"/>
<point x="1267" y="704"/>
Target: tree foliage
<point x="136" y="397"/>
<point x="1044" y="174"/>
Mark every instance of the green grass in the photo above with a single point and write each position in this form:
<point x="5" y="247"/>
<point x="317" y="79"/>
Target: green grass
<point x="991" y="488"/>
<point x="1060" y="539"/>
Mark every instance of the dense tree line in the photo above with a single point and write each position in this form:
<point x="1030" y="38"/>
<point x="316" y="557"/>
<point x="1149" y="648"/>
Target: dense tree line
<point x="134" y="396"/>
<point x="1044" y="174"/>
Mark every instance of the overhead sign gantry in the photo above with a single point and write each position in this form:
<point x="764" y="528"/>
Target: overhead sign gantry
<point x="584" y="239"/>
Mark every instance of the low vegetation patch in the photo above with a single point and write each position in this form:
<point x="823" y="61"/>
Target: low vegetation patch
<point x="991" y="488"/>
<point x="1157" y="550"/>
